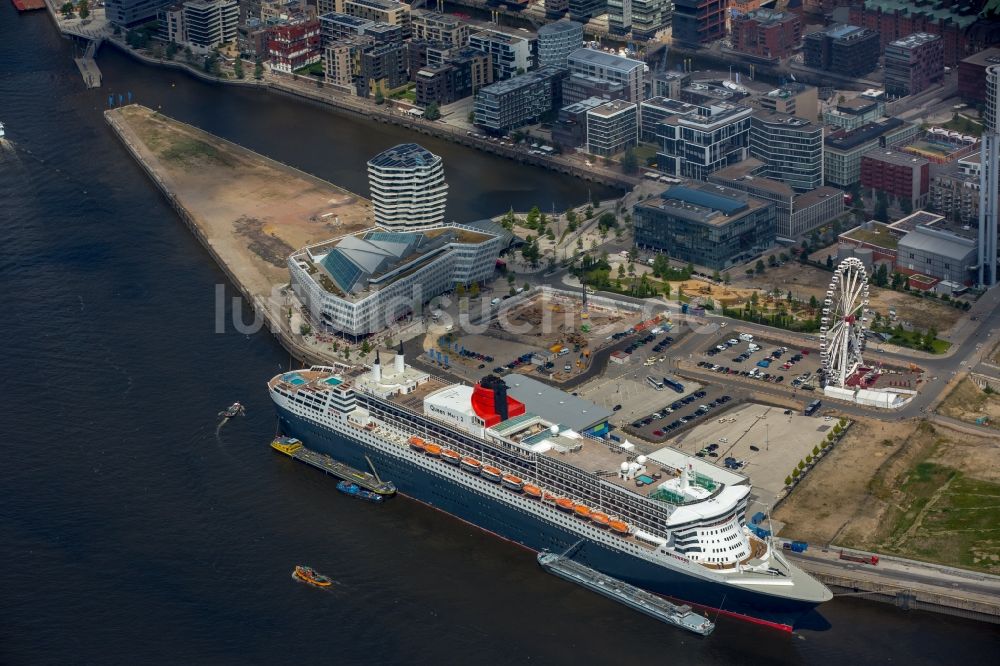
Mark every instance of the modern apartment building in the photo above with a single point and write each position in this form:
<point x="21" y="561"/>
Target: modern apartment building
<point x="465" y="72"/>
<point x="697" y="22"/>
<point x="695" y="145"/>
<point x="570" y="128"/>
<point x="843" y="49"/>
<point x="954" y="191"/>
<point x="362" y="283"/>
<point x="903" y="177"/>
<point x="437" y="27"/>
<point x="655" y="110"/>
<point x="584" y="10"/>
<point x="669" y="84"/>
<point x="294" y="45"/>
<point x="201" y="24"/>
<point x="649" y="17"/>
<point x="894" y="19"/>
<point x="611" y="68"/>
<point x="557" y="40"/>
<point x="383" y="67"/>
<point x="844" y="148"/>
<point x="790" y="147"/>
<point x="578" y="87"/>
<point x="382" y="11"/>
<point x="509" y="54"/>
<point x="795" y="215"/>
<point x="796" y="99"/>
<point x="130" y="13"/>
<point x="766" y="34"/>
<point x="856" y="112"/>
<point x="705" y="224"/>
<point x="913" y="64"/>
<point x="612" y="128"/>
<point x="407" y="187"/>
<point x="507" y="105"/>
<point x="972" y="75"/>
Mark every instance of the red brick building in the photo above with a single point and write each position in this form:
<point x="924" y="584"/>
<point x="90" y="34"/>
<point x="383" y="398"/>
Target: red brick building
<point x="293" y="45"/>
<point x="972" y="75"/>
<point x="901" y="176"/>
<point x="766" y="34"/>
<point x="893" y="24"/>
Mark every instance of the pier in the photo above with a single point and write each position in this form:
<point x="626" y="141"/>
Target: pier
<point x="88" y="66"/>
<point x="331" y="467"/>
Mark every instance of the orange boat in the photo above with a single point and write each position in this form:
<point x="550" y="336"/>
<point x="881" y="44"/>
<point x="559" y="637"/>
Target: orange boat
<point x="534" y="492"/>
<point x="564" y="504"/>
<point x="432" y="449"/>
<point x="492" y="474"/>
<point x="471" y="465"/>
<point x="311" y="576"/>
<point x="619" y="526"/>
<point x="417" y="444"/>
<point x="450" y="456"/>
<point x="512" y="482"/>
<point x="600" y="519"/>
<point x="549" y="497"/>
<point x="582" y="511"/>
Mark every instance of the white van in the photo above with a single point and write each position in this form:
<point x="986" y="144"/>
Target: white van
<point x="495" y="301"/>
<point x="746" y="337"/>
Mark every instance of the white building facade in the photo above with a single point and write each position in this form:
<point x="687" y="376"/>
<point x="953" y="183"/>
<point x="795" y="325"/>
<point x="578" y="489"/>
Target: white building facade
<point x="407" y="186"/>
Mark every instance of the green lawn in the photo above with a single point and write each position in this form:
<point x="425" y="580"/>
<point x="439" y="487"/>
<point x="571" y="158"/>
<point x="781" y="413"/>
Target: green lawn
<point x="315" y="69"/>
<point x="960" y="123"/>
<point x="914" y="340"/>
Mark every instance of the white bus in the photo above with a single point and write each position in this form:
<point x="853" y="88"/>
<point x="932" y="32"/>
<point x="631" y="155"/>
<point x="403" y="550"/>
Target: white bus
<point x="654" y="382"/>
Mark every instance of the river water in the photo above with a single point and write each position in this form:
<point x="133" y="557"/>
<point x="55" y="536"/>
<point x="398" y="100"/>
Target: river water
<point x="134" y="529"/>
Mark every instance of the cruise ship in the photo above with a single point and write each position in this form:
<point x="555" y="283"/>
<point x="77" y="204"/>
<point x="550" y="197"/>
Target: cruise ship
<point x="504" y="456"/>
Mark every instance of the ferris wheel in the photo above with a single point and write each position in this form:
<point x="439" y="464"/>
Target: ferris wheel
<point x="842" y="333"/>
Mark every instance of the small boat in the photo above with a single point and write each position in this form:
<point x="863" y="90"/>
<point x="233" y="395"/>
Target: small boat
<point x="492" y="474"/>
<point x="417" y="444"/>
<point x="2" y="132"/>
<point x="512" y="482"/>
<point x="471" y="465"/>
<point x="534" y="492"/>
<point x="600" y="519"/>
<point x="450" y="456"/>
<point x="311" y="576"/>
<point x="235" y="409"/>
<point x="354" y="490"/>
<point x="619" y="526"/>
<point x="432" y="449"/>
<point x="565" y="504"/>
<point x="582" y="511"/>
<point x="287" y="445"/>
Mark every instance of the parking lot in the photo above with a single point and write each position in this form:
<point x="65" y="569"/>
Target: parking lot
<point x="675" y="411"/>
<point x="767" y="442"/>
<point x="764" y="360"/>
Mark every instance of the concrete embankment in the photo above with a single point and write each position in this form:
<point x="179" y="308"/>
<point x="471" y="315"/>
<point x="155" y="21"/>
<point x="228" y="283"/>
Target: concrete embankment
<point x="248" y="211"/>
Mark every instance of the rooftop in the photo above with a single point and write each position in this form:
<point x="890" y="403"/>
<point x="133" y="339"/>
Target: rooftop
<point x="846" y="32"/>
<point x="984" y="58"/>
<point x="914" y="40"/>
<point x="612" y="108"/>
<point x="705" y="203"/>
<point x="938" y="241"/>
<point x="404" y="156"/>
<point x="848" y="139"/>
<point x="766" y="16"/>
<point x="497" y="36"/>
<point x="344" y="19"/>
<point x="813" y="197"/>
<point x="877" y="234"/>
<point x="584" y="105"/>
<point x="744" y="172"/>
<point x="896" y="157"/>
<point x="524" y="80"/>
<point x="555" y="405"/>
<point x="937" y="10"/>
<point x="911" y="221"/>
<point x="671" y="105"/>
<point x="603" y="59"/>
<point x="785" y="119"/>
<point x="562" y="26"/>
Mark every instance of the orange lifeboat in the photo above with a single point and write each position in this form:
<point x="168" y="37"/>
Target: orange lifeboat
<point x="564" y="504"/>
<point x="534" y="492"/>
<point x="549" y="497"/>
<point x="471" y="465"/>
<point x="491" y="473"/>
<point x="512" y="482"/>
<point x="417" y="444"/>
<point x="619" y="526"/>
<point x="582" y="511"/>
<point x="450" y="456"/>
<point x="600" y="519"/>
<point x="432" y="449"/>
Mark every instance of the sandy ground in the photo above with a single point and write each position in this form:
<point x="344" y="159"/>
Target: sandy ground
<point x="806" y="281"/>
<point x="253" y="211"/>
<point x="967" y="402"/>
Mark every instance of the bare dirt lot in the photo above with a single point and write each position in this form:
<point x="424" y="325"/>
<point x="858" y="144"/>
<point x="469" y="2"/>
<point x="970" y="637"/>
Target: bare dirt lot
<point x="252" y="210"/>
<point x="806" y="281"/>
<point x="911" y="489"/>
<point x="967" y="402"/>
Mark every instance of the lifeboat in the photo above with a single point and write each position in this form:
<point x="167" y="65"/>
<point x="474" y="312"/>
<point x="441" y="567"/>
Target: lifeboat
<point x="534" y="492"/>
<point x="549" y="497"/>
<point x="491" y="474"/>
<point x="582" y="511"/>
<point x="619" y="526"/>
<point x="432" y="449"/>
<point x="471" y="465"/>
<point x="600" y="519"/>
<point x="565" y="504"/>
<point x="450" y="456"/>
<point x="417" y="444"/>
<point x="311" y="576"/>
<point x="512" y="482"/>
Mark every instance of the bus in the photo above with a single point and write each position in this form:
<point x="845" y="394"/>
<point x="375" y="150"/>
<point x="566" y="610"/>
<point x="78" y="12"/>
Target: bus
<point x="675" y="385"/>
<point x="812" y="407"/>
<point x="654" y="382"/>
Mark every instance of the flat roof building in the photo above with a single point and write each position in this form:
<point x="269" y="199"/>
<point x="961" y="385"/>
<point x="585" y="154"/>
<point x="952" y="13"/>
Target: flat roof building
<point x="697" y="22"/>
<point x="382" y="11"/>
<point x="937" y="253"/>
<point x="972" y="75"/>
<point x="609" y="67"/>
<point x="913" y="64"/>
<point x="407" y="187"/>
<point x="655" y="110"/>
<point x="557" y="40"/>
<point x="612" y="128"/>
<point x="844" y="49"/>
<point x="843" y="149"/>
<point x="790" y="147"/>
<point x="362" y="283"/>
<point x="570" y="128"/>
<point x="437" y="27"/>
<point x="903" y="177"/>
<point x="705" y="224"/>
<point x="855" y="112"/>
<point x="694" y="145"/>
<point x="509" y="54"/>
<point x="766" y="34"/>
<point x="796" y="99"/>
<point x="506" y="105"/>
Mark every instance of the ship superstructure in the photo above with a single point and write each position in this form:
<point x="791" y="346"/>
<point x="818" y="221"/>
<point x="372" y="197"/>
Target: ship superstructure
<point x="668" y="522"/>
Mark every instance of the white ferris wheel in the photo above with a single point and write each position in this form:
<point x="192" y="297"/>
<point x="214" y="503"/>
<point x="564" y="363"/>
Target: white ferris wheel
<point x="842" y="333"/>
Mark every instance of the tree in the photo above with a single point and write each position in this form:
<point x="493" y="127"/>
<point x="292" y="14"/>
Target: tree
<point x="474" y="290"/>
<point x="726" y="278"/>
<point x="531" y="220"/>
<point x="621" y="270"/>
<point x="83" y="9"/>
<point x="829" y="261"/>
<point x="432" y="112"/>
<point x="906" y="205"/>
<point x="526" y="286"/>
<point x="758" y="267"/>
<point x="630" y="163"/>
<point x="258" y="70"/>
<point x="788" y="480"/>
<point x="666" y="289"/>
<point x="607" y="220"/>
<point x="809" y="460"/>
<point x="881" y="207"/>
<point x="460" y="290"/>
<point x="797" y="472"/>
<point x="802" y="464"/>
<point x="379" y="95"/>
<point x="304" y="328"/>
<point x="237" y="67"/>
<point x="365" y="348"/>
<point x="816" y="450"/>
<point x="67" y="9"/>
<point x="715" y="276"/>
<point x="772" y="261"/>
<point x="508" y="220"/>
<point x="571" y="218"/>
<point x="588" y="211"/>
<point x="171" y="51"/>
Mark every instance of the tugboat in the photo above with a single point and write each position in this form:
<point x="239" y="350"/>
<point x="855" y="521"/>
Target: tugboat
<point x="2" y="133"/>
<point x="354" y="490"/>
<point x="311" y="576"/>
<point x="235" y="409"/>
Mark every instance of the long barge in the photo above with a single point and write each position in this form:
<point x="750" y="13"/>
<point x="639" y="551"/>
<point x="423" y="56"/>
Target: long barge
<point x="294" y="448"/>
<point x="655" y="607"/>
